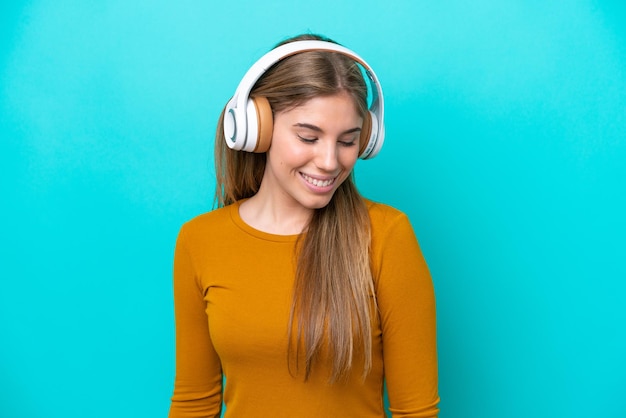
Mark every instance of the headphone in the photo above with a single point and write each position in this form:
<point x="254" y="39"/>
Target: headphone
<point x="248" y="122"/>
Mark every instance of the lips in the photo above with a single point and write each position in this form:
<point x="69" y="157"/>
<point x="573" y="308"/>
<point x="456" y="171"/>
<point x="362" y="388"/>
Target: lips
<point x="317" y="182"/>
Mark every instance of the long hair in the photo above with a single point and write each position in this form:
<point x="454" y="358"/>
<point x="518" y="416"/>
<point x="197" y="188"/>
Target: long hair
<point x="333" y="297"/>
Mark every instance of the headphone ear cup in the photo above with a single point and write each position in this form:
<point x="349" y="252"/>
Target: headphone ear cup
<point x="366" y="132"/>
<point x="371" y="146"/>
<point x="265" y="123"/>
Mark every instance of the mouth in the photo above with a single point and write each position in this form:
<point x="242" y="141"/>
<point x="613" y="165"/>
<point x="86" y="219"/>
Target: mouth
<point x="318" y="182"/>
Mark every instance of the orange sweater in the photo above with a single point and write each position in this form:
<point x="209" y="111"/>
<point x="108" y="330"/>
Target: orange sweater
<point x="232" y="291"/>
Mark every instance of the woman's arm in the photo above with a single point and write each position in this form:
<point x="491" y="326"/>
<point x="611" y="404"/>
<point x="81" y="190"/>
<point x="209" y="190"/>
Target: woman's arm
<point x="198" y="383"/>
<point x="407" y="310"/>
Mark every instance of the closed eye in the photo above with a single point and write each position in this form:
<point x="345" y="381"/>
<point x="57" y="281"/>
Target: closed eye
<point x="307" y="140"/>
<point x="348" y="143"/>
<point x="348" y="140"/>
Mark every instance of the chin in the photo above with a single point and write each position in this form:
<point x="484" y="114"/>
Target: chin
<point x="317" y="203"/>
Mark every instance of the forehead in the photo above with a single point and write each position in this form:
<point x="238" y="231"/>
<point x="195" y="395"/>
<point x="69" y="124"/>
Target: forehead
<point x="337" y="107"/>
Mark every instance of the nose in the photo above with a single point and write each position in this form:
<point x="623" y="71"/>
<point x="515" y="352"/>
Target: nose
<point x="327" y="158"/>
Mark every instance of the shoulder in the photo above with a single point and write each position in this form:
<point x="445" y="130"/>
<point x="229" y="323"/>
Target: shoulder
<point x="390" y="227"/>
<point x="209" y="219"/>
<point x="383" y="216"/>
<point x="394" y="246"/>
<point x="208" y="225"/>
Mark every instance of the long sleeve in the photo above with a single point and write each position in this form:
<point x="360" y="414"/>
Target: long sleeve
<point x="406" y="302"/>
<point x="232" y="292"/>
<point x="198" y="382"/>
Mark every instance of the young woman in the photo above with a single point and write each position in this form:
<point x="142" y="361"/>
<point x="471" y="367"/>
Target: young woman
<point x="297" y="297"/>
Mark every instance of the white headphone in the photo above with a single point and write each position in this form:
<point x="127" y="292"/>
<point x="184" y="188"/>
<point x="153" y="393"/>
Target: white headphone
<point x="248" y="122"/>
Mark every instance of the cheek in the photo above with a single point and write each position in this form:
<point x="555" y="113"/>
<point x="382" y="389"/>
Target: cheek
<point x="349" y="157"/>
<point x="288" y="150"/>
<point x="287" y="156"/>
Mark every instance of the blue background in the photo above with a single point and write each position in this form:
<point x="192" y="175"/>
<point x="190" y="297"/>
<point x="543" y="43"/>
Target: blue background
<point x="506" y="146"/>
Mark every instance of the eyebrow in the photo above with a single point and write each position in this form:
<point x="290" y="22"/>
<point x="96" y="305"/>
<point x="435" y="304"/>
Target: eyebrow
<point x="318" y="129"/>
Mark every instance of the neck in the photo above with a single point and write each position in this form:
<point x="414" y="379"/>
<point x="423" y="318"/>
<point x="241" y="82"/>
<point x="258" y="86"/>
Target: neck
<point x="275" y="216"/>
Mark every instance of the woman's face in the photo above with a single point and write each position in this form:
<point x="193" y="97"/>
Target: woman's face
<point x="314" y="148"/>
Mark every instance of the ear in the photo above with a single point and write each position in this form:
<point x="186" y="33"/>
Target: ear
<point x="366" y="132"/>
<point x="266" y="123"/>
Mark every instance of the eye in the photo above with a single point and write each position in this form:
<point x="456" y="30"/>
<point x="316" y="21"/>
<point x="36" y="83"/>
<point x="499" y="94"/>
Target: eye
<point x="347" y="143"/>
<point x="307" y="140"/>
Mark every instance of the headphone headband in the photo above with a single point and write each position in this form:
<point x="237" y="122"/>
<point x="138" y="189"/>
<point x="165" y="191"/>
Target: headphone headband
<point x="237" y="129"/>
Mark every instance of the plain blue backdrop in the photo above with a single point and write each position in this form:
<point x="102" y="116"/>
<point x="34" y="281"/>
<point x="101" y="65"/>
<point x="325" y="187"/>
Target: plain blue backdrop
<point x="506" y="146"/>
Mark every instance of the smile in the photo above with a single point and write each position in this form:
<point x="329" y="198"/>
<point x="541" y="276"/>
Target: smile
<point x="317" y="182"/>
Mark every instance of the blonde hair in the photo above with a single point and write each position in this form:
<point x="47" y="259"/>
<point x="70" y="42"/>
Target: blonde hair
<point x="333" y="296"/>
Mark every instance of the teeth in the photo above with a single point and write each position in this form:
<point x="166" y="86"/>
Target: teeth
<point x="318" y="183"/>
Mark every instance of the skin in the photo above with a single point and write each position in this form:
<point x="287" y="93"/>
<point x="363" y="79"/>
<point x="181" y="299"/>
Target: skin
<point x="314" y="149"/>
